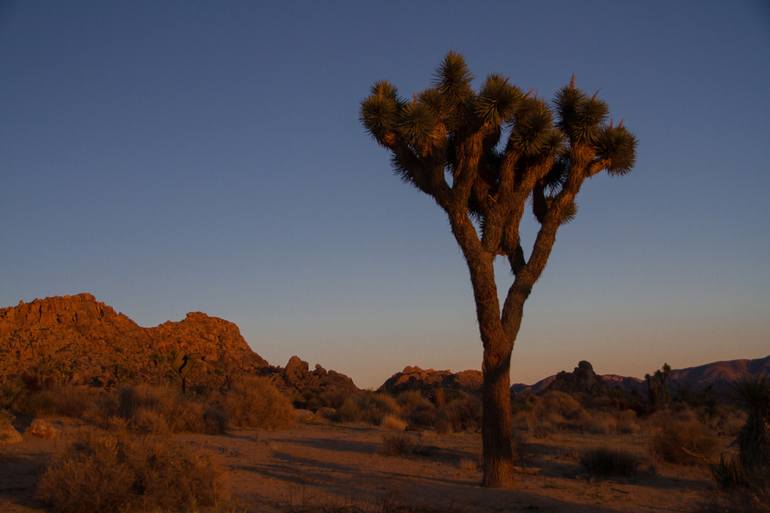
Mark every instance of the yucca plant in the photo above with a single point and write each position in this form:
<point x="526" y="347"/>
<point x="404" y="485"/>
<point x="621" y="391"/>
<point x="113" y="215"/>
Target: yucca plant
<point x="754" y="437"/>
<point x="483" y="156"/>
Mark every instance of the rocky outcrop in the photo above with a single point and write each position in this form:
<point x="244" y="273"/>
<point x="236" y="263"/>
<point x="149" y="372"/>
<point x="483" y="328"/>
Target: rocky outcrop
<point x="582" y="380"/>
<point x="718" y="376"/>
<point x="79" y="340"/>
<point x="308" y="389"/>
<point x="428" y="381"/>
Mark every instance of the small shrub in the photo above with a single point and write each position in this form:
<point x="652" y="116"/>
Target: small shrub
<point x="463" y="414"/>
<point x="605" y="462"/>
<point x="69" y="401"/>
<point x="369" y="407"/>
<point x="393" y="423"/>
<point x="254" y="402"/>
<point x="401" y="444"/>
<point x="149" y="422"/>
<point x="214" y="420"/>
<point x="418" y="411"/>
<point x="626" y="422"/>
<point x="105" y="471"/>
<point x="685" y="442"/>
<point x="601" y="423"/>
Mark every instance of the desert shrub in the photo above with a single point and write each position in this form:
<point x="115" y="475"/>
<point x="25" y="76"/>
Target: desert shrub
<point x="115" y="471"/>
<point x="402" y="444"/>
<point x="147" y="421"/>
<point x="369" y="407"/>
<point x="254" y="402"/>
<point x="459" y="415"/>
<point x="144" y="397"/>
<point x="552" y="411"/>
<point x="13" y="394"/>
<point x="686" y="442"/>
<point x="754" y="437"/>
<point x="214" y="421"/>
<point x="606" y="462"/>
<point x="418" y="411"/>
<point x="747" y="477"/>
<point x="393" y="423"/>
<point x="626" y="422"/>
<point x="147" y="408"/>
<point x="601" y="423"/>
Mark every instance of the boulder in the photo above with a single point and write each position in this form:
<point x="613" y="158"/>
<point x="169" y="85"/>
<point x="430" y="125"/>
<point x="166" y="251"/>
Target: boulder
<point x="8" y="434"/>
<point x="42" y="429"/>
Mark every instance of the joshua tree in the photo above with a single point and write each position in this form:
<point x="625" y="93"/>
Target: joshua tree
<point x="482" y="156"/>
<point x="658" y="387"/>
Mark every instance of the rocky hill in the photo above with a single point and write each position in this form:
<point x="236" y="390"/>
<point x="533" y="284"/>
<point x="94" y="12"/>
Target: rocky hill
<point x="717" y="375"/>
<point x="79" y="340"/>
<point x="428" y="381"/>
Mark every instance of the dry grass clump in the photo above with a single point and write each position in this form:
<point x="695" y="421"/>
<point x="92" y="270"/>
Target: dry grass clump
<point x="541" y="415"/>
<point x="684" y="441"/>
<point x="119" y="472"/>
<point x="606" y="462"/>
<point x="419" y="412"/>
<point x="369" y="407"/>
<point x="549" y="412"/>
<point x="459" y="415"/>
<point x="152" y="409"/>
<point x="250" y="402"/>
<point x="402" y="444"/>
<point x="255" y="403"/>
<point x="627" y="422"/>
<point x="69" y="401"/>
<point x="393" y="423"/>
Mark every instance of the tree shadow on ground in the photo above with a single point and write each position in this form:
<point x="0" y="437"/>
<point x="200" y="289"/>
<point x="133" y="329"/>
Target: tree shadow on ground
<point x="18" y="477"/>
<point x="446" y="493"/>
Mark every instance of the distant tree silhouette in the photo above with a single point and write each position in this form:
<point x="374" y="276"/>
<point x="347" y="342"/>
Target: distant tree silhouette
<point x="659" y="387"/>
<point x="482" y="156"/>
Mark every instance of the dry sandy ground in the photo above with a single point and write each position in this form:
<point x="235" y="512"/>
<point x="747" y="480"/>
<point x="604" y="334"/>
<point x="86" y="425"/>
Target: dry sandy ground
<point x="343" y="466"/>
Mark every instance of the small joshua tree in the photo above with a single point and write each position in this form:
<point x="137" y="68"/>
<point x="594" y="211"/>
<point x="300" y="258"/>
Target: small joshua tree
<point x="483" y="156"/>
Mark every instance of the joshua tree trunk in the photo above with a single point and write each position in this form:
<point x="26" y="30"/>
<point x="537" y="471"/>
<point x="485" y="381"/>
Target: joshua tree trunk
<point x="498" y="332"/>
<point x="497" y="427"/>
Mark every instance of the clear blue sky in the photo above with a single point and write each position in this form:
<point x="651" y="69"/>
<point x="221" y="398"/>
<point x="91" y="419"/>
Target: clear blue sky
<point x="178" y="156"/>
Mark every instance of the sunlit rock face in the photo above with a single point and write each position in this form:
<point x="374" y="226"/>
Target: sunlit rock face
<point x="428" y="381"/>
<point x="79" y="340"/>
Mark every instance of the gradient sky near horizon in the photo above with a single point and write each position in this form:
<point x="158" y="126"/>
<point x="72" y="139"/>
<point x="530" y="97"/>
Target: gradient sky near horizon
<point x="188" y="155"/>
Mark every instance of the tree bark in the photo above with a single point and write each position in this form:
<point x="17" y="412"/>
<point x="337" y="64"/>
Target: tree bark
<point x="497" y="426"/>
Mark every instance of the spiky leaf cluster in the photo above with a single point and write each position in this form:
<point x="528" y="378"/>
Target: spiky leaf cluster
<point x="452" y="130"/>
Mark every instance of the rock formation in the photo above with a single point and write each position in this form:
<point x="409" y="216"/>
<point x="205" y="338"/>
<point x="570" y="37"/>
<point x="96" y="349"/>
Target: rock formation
<point x="311" y="389"/>
<point x="428" y="381"/>
<point x="79" y="340"/>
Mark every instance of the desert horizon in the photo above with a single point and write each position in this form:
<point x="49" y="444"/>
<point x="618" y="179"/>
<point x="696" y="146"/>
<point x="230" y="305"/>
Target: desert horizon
<point x="412" y="364"/>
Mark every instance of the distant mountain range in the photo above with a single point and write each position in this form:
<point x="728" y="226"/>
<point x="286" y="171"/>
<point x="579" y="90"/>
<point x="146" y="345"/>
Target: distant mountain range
<point x="719" y="375"/>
